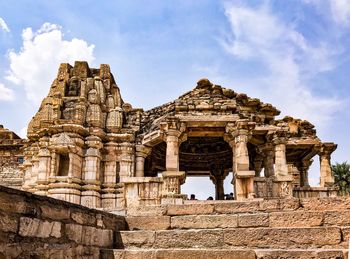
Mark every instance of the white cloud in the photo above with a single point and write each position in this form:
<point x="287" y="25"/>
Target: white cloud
<point x="35" y="65"/>
<point x="3" y="25"/>
<point x="6" y="94"/>
<point x="337" y="10"/>
<point x="340" y="11"/>
<point x="289" y="59"/>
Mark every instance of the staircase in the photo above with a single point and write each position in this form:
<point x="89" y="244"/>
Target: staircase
<point x="291" y="228"/>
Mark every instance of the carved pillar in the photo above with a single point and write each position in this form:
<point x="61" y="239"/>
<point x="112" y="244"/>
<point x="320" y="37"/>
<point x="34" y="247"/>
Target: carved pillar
<point x="303" y="168"/>
<point x="282" y="180"/>
<point x="244" y="178"/>
<point x="172" y="150"/>
<point x="110" y="177"/>
<point x="281" y="168"/>
<point x="269" y="158"/>
<point x="141" y="153"/>
<point x="258" y="163"/>
<point x="219" y="188"/>
<point x="326" y="175"/>
<point x="173" y="130"/>
<point x="126" y="160"/>
<point x="217" y="176"/>
<point x="90" y="195"/>
<point x="43" y="171"/>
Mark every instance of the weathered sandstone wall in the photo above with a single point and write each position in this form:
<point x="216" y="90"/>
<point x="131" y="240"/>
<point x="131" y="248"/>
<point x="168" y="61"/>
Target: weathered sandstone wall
<point x="33" y="226"/>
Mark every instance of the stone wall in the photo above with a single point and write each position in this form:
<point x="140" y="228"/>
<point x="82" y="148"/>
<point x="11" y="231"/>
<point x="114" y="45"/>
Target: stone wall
<point x="33" y="226"/>
<point x="11" y="158"/>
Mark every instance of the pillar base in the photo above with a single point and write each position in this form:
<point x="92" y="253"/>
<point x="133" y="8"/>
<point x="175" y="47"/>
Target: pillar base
<point x="91" y="199"/>
<point x="175" y="199"/>
<point x="108" y="200"/>
<point x="70" y="195"/>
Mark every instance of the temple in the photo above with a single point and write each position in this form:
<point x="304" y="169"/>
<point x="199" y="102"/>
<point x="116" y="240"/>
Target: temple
<point x="87" y="146"/>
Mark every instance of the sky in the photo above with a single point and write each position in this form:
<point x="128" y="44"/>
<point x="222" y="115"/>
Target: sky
<point x="293" y="54"/>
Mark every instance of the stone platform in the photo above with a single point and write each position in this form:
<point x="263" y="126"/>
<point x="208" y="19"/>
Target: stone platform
<point x="33" y="226"/>
<point x="289" y="228"/>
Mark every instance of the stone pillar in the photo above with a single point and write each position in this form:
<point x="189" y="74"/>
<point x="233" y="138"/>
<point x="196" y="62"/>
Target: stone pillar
<point x="219" y="188"/>
<point x="269" y="151"/>
<point x="110" y="177"/>
<point x="141" y="153"/>
<point x="43" y="171"/>
<point x="126" y="160"/>
<point x="281" y="168"/>
<point x="258" y="162"/>
<point x="326" y="175"/>
<point x="303" y="168"/>
<point x="90" y="195"/>
<point x="282" y="180"/>
<point x="172" y="150"/>
<point x="244" y="178"/>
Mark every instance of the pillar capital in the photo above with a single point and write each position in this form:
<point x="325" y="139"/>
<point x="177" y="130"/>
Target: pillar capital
<point x="279" y="137"/>
<point x="172" y="125"/>
<point x="143" y="151"/>
<point x="327" y="178"/>
<point x="94" y="142"/>
<point x="242" y="127"/>
<point x="326" y="149"/>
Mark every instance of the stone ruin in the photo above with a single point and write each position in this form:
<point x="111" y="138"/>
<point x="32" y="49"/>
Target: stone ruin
<point x="87" y="146"/>
<point x="11" y="158"/>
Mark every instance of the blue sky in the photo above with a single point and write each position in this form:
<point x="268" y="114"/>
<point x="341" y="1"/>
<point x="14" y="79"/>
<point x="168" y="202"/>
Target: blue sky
<point x="293" y="54"/>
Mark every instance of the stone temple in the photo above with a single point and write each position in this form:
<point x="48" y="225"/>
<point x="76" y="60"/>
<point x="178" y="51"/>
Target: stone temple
<point x="88" y="147"/>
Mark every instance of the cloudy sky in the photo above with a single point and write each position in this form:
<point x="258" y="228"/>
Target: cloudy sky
<point x="293" y="54"/>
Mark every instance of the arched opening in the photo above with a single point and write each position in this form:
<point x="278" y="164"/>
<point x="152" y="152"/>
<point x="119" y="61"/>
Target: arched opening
<point x="209" y="157"/>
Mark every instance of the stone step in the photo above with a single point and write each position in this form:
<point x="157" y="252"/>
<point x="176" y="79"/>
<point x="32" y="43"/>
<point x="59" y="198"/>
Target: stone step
<point x="272" y="238"/>
<point x="234" y="207"/>
<point x="297" y="218"/>
<point x="223" y="253"/>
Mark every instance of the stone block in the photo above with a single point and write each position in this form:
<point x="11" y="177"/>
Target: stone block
<point x="90" y="236"/>
<point x="205" y="254"/>
<point x="133" y="254"/>
<point x="269" y="205"/>
<point x="113" y="222"/>
<point x="189" y="239"/>
<point x="236" y="207"/>
<point x="83" y="218"/>
<point x="156" y="210"/>
<point x="339" y="218"/>
<point x="16" y="204"/>
<point x="55" y="213"/>
<point x="289" y="204"/>
<point x="300" y="254"/>
<point x="204" y="221"/>
<point x="132" y="239"/>
<point x="329" y="203"/>
<point x="148" y="223"/>
<point x="296" y="219"/>
<point x="253" y="220"/>
<point x="282" y="237"/>
<point x="8" y="223"/>
<point x="39" y="228"/>
<point x="190" y="209"/>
